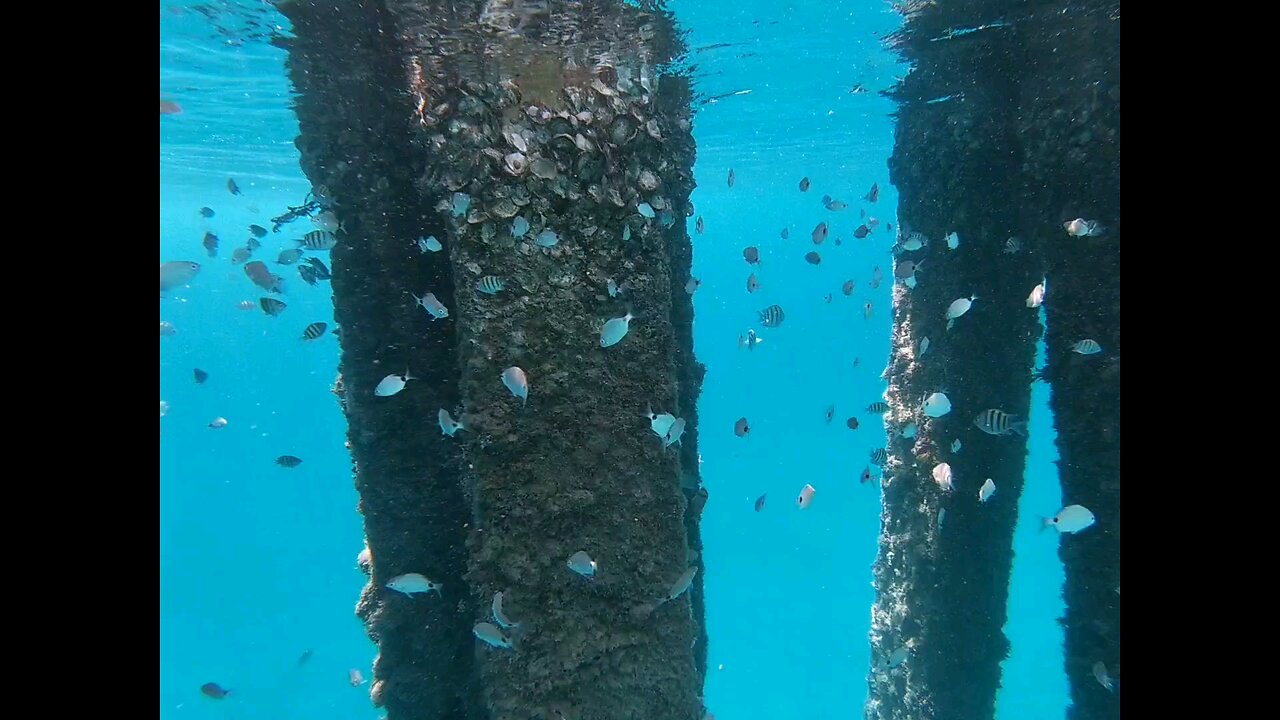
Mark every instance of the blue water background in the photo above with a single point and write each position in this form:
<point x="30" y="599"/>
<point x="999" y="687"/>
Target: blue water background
<point x="257" y="562"/>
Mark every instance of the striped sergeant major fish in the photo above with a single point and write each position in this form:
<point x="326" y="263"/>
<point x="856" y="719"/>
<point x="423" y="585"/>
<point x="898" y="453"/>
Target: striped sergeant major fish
<point x="998" y="422"/>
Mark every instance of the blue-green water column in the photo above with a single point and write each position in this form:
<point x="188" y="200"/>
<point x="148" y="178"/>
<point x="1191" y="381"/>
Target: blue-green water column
<point x="459" y="120"/>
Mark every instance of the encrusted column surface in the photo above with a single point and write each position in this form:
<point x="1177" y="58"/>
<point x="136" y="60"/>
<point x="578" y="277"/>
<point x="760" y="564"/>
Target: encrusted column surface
<point x="552" y="161"/>
<point x="1071" y="126"/>
<point x="355" y="146"/>
<point x="1002" y="138"/>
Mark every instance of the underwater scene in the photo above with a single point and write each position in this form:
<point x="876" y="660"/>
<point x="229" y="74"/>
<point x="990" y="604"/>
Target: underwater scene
<point x="639" y="360"/>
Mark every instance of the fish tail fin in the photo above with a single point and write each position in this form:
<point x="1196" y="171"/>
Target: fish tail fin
<point x="408" y="377"/>
<point x="1045" y="523"/>
<point x="1019" y="428"/>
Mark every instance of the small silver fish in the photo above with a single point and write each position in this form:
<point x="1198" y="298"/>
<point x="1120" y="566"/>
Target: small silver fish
<point x="681" y="584"/>
<point x="448" y="425"/>
<point x="218" y="422"/>
<point x="943" y="476"/>
<point x="1104" y="679"/>
<point x="1087" y="347"/>
<point x="896" y="658"/>
<point x="433" y="306"/>
<point x="660" y="424"/>
<point x="1070" y="519"/>
<point x="326" y="220"/>
<point x="492" y="635"/>
<point x="1036" y="298"/>
<point x="805" y="498"/>
<point x="429" y="244"/>
<point x="517" y="383"/>
<point x="614" y="330"/>
<point x="392" y="384"/>
<point x="612" y="287"/>
<point x="582" y="564"/>
<point x="908" y="431"/>
<point x="498" y="615"/>
<point x="1082" y="228"/>
<point x="459" y="203"/>
<point x="692" y="285"/>
<point x="750" y="341"/>
<point x="519" y="227"/>
<point x="956" y="445"/>
<point x="953" y="241"/>
<point x="547" y="239"/>
<point x="490" y="285"/>
<point x="731" y="177"/>
<point x="166" y="328"/>
<point x="986" y="491"/>
<point x="833" y="205"/>
<point x="414" y="584"/>
<point x="936" y="405"/>
<point x="674" y="433"/>
<point x="177" y="273"/>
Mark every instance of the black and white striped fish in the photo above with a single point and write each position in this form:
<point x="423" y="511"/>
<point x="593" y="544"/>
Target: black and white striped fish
<point x="879" y="457"/>
<point x="308" y="274"/>
<point x="878" y="407"/>
<point x="772" y="316"/>
<point x="318" y="240"/>
<point x="272" y="306"/>
<point x="322" y="270"/>
<point x="999" y="422"/>
<point x="314" y="330"/>
<point x="490" y="285"/>
<point x="1087" y="347"/>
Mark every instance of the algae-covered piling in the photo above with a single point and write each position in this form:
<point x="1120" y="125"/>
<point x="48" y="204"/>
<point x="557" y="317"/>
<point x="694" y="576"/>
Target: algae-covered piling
<point x="995" y="143"/>
<point x="544" y="149"/>
<point x="1072" y="124"/>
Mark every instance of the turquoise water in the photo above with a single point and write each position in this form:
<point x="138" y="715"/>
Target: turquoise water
<point x="257" y="562"/>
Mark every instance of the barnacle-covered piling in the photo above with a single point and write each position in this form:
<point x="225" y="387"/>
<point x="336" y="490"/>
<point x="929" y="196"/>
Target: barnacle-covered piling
<point x="355" y="146"/>
<point x="945" y="557"/>
<point x="544" y="148"/>
<point x="1071" y="125"/>
<point x="979" y="151"/>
